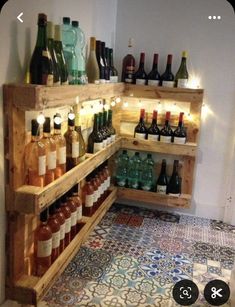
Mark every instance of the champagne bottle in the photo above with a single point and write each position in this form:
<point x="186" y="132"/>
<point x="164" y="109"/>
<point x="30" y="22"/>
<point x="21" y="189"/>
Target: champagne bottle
<point x="128" y="65"/>
<point x="113" y="70"/>
<point x="180" y="132"/>
<point x="41" y="66"/>
<point x="153" y="131"/>
<point x="168" y="77"/>
<point x="110" y="126"/>
<point x="181" y="77"/>
<point x="95" y="139"/>
<point x="162" y="179"/>
<point x="166" y="132"/>
<point x="100" y="61"/>
<point x="174" y="186"/>
<point x="140" y="77"/>
<point x="92" y="67"/>
<point x="140" y="129"/>
<point x="154" y="76"/>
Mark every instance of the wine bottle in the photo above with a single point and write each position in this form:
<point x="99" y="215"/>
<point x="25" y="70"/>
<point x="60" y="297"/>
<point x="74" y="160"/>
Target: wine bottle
<point x="166" y="132"/>
<point x="162" y="179"/>
<point x="102" y="129"/>
<point x="140" y="129"/>
<point x="140" y="76"/>
<point x="106" y="68"/>
<point x="110" y="126"/>
<point x="50" y="41"/>
<point x="73" y="209"/>
<point x="180" y="132"/>
<point x="35" y="158"/>
<point x="60" y="55"/>
<point x="181" y="77"/>
<point x="92" y="66"/>
<point x="88" y="198"/>
<point x="153" y="131"/>
<point x="54" y="224"/>
<point x="96" y="194"/>
<point x="107" y="63"/>
<point x="67" y="214"/>
<point x="60" y="147"/>
<point x="100" y="62"/>
<point x="78" y="201"/>
<point x="113" y="70"/>
<point x="95" y="139"/>
<point x="167" y="79"/>
<point x="128" y="65"/>
<point x="174" y="185"/>
<point x="154" y="76"/>
<point x="106" y="129"/>
<point x="61" y="218"/>
<point x="82" y="145"/>
<point x="41" y="66"/>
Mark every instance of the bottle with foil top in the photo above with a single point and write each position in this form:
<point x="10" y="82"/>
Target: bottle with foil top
<point x="181" y="77"/>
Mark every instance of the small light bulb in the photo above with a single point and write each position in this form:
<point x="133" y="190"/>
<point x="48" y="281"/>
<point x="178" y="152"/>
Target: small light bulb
<point x="41" y="119"/>
<point x="71" y="115"/>
<point x="113" y="103"/>
<point x="118" y="99"/>
<point x="77" y="99"/>
<point x="57" y="119"/>
<point x="125" y="104"/>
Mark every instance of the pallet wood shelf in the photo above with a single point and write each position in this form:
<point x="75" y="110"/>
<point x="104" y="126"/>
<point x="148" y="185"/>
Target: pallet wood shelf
<point x="30" y="289"/>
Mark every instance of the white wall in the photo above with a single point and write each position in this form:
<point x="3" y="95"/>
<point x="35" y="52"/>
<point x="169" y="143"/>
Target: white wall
<point x="96" y="17"/>
<point x="170" y="26"/>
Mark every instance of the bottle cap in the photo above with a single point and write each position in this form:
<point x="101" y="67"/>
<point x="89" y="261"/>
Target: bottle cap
<point x="35" y="128"/>
<point x="66" y="20"/>
<point x="42" y="19"/>
<point x="47" y="125"/>
<point x="50" y="29"/>
<point x="75" y="24"/>
<point x="57" y="36"/>
<point x="130" y="42"/>
<point x="184" y="54"/>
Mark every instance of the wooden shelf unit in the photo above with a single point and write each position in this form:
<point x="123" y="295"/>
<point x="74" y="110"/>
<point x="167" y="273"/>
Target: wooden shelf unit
<point x="24" y="203"/>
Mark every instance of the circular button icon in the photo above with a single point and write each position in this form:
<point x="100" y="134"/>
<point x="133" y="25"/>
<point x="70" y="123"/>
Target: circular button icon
<point x="185" y="292"/>
<point x="216" y="292"/>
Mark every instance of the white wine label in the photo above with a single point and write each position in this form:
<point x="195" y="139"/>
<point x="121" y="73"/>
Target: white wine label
<point x="134" y="185"/>
<point x="146" y="187"/>
<point x="50" y="79"/>
<point x="102" y="188"/>
<point x="75" y="149"/>
<point x="102" y="81"/>
<point x="46" y="54"/>
<point x="62" y="155"/>
<point x="52" y="160"/>
<point x="68" y="225"/>
<point x="109" y="182"/>
<point x="82" y="158"/>
<point x="62" y="231"/>
<point x="140" y="136"/>
<point x="140" y="81"/>
<point x="182" y="83"/>
<point x="113" y="137"/>
<point x="65" y="82"/>
<point x="79" y="213"/>
<point x="161" y="189"/>
<point x="104" y="143"/>
<point x="89" y="200"/>
<point x="165" y="139"/>
<point x="99" y="191"/>
<point x="121" y="182"/>
<point x="98" y="147"/>
<point x="113" y="79"/>
<point x="41" y="165"/>
<point x="44" y="248"/>
<point x="168" y="83"/>
<point x="73" y="218"/>
<point x="128" y="80"/>
<point x="178" y="140"/>
<point x="95" y="196"/>
<point x="105" y="185"/>
<point x="56" y="239"/>
<point x="153" y="82"/>
<point x="153" y="137"/>
<point x="176" y="195"/>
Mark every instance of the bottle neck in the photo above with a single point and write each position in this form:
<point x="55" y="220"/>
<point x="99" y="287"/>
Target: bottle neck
<point x="142" y="56"/>
<point x="46" y="134"/>
<point x="57" y="131"/>
<point x="41" y="37"/>
<point x="175" y="169"/>
<point x="71" y="128"/>
<point x="163" y="169"/>
<point x="183" y="63"/>
<point x="155" y="62"/>
<point x="35" y="138"/>
<point x="95" y="127"/>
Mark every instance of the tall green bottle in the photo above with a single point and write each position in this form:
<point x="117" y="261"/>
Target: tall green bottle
<point x="95" y="139"/>
<point x="60" y="55"/>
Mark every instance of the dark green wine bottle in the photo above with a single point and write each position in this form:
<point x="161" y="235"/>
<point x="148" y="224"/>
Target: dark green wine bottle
<point x="41" y="66"/>
<point x="174" y="186"/>
<point x="95" y="139"/>
<point x="110" y="126"/>
<point x="105" y="127"/>
<point x="60" y="55"/>
<point x="102" y="130"/>
<point x="181" y="76"/>
<point x="162" y="179"/>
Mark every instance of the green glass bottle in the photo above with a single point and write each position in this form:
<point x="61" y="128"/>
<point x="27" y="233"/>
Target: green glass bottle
<point x="162" y="179"/>
<point x="102" y="129"/>
<point x="174" y="185"/>
<point x="122" y="169"/>
<point x="110" y="126"/>
<point x="147" y="178"/>
<point x="105" y="127"/>
<point x="60" y="55"/>
<point x="181" y="77"/>
<point x="95" y="139"/>
<point x="134" y="171"/>
<point x="50" y="41"/>
<point x="41" y="66"/>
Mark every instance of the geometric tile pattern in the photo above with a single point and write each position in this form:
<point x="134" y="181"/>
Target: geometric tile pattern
<point x="134" y="257"/>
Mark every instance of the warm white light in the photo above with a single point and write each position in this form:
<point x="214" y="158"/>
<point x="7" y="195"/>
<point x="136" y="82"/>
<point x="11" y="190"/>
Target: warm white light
<point x="194" y="82"/>
<point x="190" y="117"/>
<point x="57" y="119"/>
<point x="82" y="111"/>
<point x="41" y="119"/>
<point x="206" y="111"/>
<point x="174" y="108"/>
<point x="118" y="99"/>
<point x="77" y="99"/>
<point x="113" y="103"/>
<point x="71" y="115"/>
<point x="125" y="104"/>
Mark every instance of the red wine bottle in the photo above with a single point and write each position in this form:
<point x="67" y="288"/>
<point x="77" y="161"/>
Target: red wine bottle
<point x="128" y="65"/>
<point x="180" y="132"/>
<point x="167" y="79"/>
<point x="153" y="131"/>
<point x="174" y="186"/>
<point x="140" y="129"/>
<point x="154" y="76"/>
<point x="166" y="132"/>
<point x="162" y="179"/>
<point x="140" y="77"/>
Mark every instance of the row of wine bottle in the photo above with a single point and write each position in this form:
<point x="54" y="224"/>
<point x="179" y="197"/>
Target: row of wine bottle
<point x="135" y="173"/>
<point x="166" y="134"/>
<point x="55" y="233"/>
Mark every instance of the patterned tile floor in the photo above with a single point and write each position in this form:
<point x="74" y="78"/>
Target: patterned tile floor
<point x="135" y="256"/>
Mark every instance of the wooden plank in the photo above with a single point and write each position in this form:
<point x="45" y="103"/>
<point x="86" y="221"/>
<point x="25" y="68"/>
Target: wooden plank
<point x="30" y="289"/>
<point x="152" y="92"/>
<point x="30" y="199"/>
<point x="183" y="201"/>
<point x="187" y="174"/>
<point x="188" y="149"/>
<point x="38" y="97"/>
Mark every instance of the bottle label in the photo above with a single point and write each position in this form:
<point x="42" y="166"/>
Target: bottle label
<point x="62" y="155"/>
<point x="113" y="79"/>
<point x="176" y="194"/>
<point x="178" y="140"/>
<point x="62" y="231"/>
<point x="42" y="165"/>
<point x="113" y="137"/>
<point x="52" y="160"/>
<point x="102" y="188"/>
<point x="140" y="136"/>
<point x="89" y="200"/>
<point x="75" y="150"/>
<point x="153" y="82"/>
<point x="182" y="83"/>
<point x="44" y="248"/>
<point x="104" y="143"/>
<point x="102" y="81"/>
<point x="47" y="79"/>
<point x="168" y="83"/>
<point x="99" y="191"/>
<point x="82" y="158"/>
<point x="128" y="80"/>
<point x="73" y="218"/>
<point x="140" y="81"/>
<point x="95" y="196"/>
<point x="55" y="239"/>
<point x="121" y="182"/>
<point x="165" y="139"/>
<point x="98" y="147"/>
<point x="109" y="140"/>
<point x="79" y="213"/>
<point x="109" y="182"/>
<point x="105" y="185"/>
<point x="68" y="225"/>
<point x="153" y="137"/>
<point x="146" y="187"/>
<point x="134" y="184"/>
<point x="161" y="189"/>
<point x="46" y="54"/>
